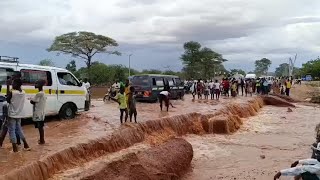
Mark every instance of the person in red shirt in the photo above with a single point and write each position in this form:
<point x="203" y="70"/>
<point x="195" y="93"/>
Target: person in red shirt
<point x="226" y="86"/>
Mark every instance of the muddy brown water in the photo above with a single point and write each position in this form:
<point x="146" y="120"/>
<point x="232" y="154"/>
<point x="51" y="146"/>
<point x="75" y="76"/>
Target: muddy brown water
<point x="216" y="156"/>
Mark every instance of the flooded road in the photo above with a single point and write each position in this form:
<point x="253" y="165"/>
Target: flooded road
<point x="101" y="120"/>
<point x="265" y="144"/>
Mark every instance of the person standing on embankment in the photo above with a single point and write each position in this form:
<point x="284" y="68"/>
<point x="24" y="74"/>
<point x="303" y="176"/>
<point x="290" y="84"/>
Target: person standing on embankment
<point x="288" y="85"/>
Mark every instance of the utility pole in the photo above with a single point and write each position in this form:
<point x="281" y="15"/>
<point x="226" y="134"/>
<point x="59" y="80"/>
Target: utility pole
<point x="130" y="64"/>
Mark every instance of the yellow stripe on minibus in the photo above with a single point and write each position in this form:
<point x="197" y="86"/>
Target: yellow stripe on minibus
<point x="46" y="91"/>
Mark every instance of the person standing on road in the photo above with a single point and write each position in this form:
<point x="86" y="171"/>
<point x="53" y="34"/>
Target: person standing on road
<point x="199" y="89"/>
<point x="226" y="87"/>
<point x="258" y="86"/>
<point x="217" y="89"/>
<point x="288" y="85"/>
<point x="193" y="90"/>
<point x="16" y="100"/>
<point x="242" y="84"/>
<point x="127" y="91"/>
<point x="120" y="98"/>
<point x="265" y="87"/>
<point x="206" y="90"/>
<point x="132" y="105"/>
<point x="212" y="89"/>
<point x="39" y="103"/>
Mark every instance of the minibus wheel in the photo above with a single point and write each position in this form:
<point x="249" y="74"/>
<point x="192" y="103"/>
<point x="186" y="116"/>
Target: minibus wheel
<point x="67" y="111"/>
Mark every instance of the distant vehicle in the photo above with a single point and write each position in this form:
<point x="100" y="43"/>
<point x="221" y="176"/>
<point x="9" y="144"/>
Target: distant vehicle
<point x="308" y="78"/>
<point x="149" y="86"/>
<point x="65" y="94"/>
<point x="251" y="76"/>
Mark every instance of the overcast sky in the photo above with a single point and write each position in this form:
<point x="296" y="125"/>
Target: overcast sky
<point x="155" y="30"/>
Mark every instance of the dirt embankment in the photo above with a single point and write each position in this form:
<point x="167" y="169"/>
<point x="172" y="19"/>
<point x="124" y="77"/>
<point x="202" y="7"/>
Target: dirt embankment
<point x="166" y="161"/>
<point x="227" y="120"/>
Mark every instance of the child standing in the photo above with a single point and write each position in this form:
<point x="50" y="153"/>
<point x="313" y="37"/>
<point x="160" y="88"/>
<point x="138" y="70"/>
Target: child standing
<point x="16" y="100"/>
<point x="39" y="102"/>
<point x="121" y="99"/>
<point x="132" y="104"/>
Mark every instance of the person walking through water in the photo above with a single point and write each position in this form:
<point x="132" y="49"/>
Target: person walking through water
<point x="16" y="99"/>
<point x="39" y="103"/>
<point x="121" y="100"/>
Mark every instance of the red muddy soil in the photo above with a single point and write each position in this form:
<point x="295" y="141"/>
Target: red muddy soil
<point x="280" y="136"/>
<point x="100" y="121"/>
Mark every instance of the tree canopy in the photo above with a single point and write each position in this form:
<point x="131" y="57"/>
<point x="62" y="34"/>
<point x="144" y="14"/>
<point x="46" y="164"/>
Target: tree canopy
<point x="262" y="66"/>
<point x="312" y="68"/>
<point x="46" y="62"/>
<point x="83" y="45"/>
<point x="71" y="66"/>
<point x="200" y="62"/>
<point x="239" y="71"/>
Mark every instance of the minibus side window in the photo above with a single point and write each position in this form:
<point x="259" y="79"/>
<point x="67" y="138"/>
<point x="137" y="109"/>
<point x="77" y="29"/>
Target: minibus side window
<point x="67" y="79"/>
<point x="29" y="77"/>
<point x="4" y="74"/>
<point x="178" y="82"/>
<point x="159" y="81"/>
<point x="154" y="83"/>
<point x="171" y="83"/>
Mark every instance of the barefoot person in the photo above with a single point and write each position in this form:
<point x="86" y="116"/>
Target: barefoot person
<point x="16" y="100"/>
<point x="309" y="169"/>
<point x="39" y="102"/>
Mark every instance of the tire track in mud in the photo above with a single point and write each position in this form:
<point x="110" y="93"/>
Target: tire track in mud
<point x="227" y="120"/>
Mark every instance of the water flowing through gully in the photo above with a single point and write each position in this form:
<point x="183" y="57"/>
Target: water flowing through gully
<point x="138" y="141"/>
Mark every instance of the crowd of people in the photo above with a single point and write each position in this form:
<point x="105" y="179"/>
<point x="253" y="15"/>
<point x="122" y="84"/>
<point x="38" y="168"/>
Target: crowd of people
<point x="240" y="86"/>
<point x="12" y="109"/>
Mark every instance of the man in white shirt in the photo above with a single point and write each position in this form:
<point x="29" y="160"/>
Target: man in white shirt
<point x="211" y="86"/>
<point x="86" y="84"/>
<point x="310" y="169"/>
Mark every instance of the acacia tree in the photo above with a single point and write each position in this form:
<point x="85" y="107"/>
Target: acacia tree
<point x="239" y="71"/>
<point x="200" y="62"/>
<point x="83" y="45"/>
<point x="262" y="66"/>
<point x="191" y="58"/>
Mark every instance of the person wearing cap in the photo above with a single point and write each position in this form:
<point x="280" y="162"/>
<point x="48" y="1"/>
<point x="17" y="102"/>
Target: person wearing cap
<point x="309" y="169"/>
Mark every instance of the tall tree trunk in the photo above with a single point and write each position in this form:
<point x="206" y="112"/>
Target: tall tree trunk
<point x="88" y="67"/>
